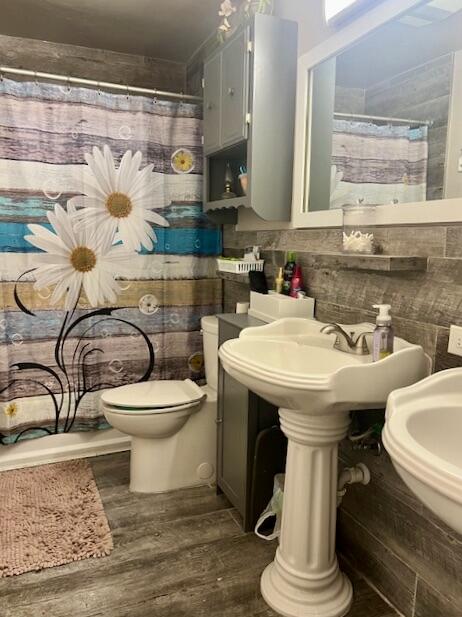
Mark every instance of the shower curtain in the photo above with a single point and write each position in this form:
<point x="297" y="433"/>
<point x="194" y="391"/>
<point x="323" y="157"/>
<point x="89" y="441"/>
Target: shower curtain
<point x="107" y="261"/>
<point x="378" y="164"/>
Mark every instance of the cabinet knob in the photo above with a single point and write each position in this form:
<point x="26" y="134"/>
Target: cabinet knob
<point x="209" y="105"/>
<point x="231" y="91"/>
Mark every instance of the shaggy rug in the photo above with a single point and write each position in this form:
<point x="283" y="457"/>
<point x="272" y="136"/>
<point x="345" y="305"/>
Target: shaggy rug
<point x="50" y="515"/>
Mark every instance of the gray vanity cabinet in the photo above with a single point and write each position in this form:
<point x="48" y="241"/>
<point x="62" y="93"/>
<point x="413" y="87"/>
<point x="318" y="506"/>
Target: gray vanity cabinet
<point x="249" y="117"/>
<point x="233" y="439"/>
<point x="251" y="448"/>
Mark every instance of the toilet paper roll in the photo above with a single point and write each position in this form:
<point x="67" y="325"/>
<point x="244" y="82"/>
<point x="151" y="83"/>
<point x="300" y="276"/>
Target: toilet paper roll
<point x="242" y="307"/>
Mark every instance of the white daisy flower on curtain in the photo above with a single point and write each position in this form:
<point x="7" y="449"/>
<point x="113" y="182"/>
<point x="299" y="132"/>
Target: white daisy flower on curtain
<point x="76" y="259"/>
<point x="119" y="199"/>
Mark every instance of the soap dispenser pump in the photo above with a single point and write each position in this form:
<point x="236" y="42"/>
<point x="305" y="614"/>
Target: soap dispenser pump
<point x="383" y="338"/>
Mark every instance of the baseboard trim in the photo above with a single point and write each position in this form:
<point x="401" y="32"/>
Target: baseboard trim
<point x="62" y="447"/>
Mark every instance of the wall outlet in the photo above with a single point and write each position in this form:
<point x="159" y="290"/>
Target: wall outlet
<point x="455" y="341"/>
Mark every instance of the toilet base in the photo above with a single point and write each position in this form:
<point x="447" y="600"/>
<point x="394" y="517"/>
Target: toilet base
<point x="158" y="466"/>
<point x="150" y="464"/>
<point x="183" y="460"/>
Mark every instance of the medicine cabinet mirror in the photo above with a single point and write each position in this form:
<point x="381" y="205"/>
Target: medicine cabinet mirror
<point x="383" y="122"/>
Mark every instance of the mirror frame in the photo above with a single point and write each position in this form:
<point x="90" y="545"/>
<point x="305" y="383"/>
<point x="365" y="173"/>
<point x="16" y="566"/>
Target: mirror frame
<point x="426" y="212"/>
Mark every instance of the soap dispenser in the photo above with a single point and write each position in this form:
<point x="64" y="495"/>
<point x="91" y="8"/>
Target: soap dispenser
<point x="383" y="338"/>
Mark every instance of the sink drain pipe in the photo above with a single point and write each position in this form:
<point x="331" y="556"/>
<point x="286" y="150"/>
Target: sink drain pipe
<point x="359" y="474"/>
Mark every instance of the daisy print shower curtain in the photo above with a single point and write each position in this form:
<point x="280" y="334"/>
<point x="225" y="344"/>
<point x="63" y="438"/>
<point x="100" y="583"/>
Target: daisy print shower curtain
<point x="107" y="261"/>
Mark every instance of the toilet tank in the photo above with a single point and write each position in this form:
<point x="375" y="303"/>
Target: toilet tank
<point x="209" y="326"/>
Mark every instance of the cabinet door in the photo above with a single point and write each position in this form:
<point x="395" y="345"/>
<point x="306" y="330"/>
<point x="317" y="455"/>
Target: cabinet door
<point x="233" y="455"/>
<point x="212" y="103"/>
<point x="234" y="89"/>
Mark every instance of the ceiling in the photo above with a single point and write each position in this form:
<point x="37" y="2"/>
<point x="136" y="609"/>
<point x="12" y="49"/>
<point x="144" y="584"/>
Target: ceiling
<point x="168" y="29"/>
<point x="398" y="47"/>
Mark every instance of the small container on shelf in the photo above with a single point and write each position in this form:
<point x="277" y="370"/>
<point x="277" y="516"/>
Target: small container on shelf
<point x="358" y="237"/>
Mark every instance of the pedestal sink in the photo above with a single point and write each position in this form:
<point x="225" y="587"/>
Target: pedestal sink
<point x="293" y="365"/>
<point x="422" y="434"/>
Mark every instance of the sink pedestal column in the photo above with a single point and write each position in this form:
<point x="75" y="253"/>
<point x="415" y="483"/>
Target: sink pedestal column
<point x="304" y="579"/>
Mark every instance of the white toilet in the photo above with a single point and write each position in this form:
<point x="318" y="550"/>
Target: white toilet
<point x="172" y="425"/>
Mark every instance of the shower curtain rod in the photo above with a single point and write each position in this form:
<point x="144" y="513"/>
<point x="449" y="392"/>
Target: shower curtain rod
<point x="99" y="84"/>
<point x="385" y="119"/>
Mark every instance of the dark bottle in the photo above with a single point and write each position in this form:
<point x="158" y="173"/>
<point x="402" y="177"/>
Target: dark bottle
<point x="289" y="270"/>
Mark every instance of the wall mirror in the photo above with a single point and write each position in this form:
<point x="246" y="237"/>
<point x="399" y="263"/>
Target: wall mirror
<point x="383" y="119"/>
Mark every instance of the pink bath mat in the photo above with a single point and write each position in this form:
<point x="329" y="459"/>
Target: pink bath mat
<point x="50" y="515"/>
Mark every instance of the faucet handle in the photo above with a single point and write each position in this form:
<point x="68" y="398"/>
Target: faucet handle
<point x="343" y="341"/>
<point x="360" y="344"/>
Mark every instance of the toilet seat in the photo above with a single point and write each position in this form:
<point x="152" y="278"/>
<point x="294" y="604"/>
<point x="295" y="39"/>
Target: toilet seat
<point x="150" y="397"/>
<point x="149" y="411"/>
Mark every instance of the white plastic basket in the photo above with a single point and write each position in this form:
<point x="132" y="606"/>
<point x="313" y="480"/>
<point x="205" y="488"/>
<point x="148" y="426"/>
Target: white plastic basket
<point x="240" y="266"/>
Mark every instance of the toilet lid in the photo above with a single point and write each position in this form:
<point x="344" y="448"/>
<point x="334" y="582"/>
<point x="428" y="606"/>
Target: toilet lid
<point x="153" y="394"/>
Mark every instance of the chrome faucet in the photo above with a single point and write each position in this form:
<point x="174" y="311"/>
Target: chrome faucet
<point x="346" y="342"/>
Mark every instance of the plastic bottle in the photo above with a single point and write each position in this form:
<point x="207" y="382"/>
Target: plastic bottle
<point x="289" y="270"/>
<point x="296" y="285"/>
<point x="279" y="282"/>
<point x="383" y="338"/>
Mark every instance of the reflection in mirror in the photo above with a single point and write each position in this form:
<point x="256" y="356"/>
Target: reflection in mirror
<point x="386" y="126"/>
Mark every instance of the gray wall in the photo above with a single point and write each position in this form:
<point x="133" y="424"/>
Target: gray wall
<point x="398" y="544"/>
<point x="97" y="64"/>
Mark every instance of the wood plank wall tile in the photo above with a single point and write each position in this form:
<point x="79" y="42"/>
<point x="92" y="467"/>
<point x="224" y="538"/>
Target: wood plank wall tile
<point x="424" y="547"/>
<point x="413" y="331"/>
<point x="392" y="577"/>
<point x="235" y="292"/>
<point x="97" y="64"/>
<point x="454" y="242"/>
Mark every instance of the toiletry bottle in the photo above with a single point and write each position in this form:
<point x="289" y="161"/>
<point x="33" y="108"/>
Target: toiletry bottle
<point x="279" y="282"/>
<point x="289" y="270"/>
<point x="382" y="340"/>
<point x="296" y="284"/>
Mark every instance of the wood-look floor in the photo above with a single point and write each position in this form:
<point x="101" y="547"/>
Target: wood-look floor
<point x="181" y="554"/>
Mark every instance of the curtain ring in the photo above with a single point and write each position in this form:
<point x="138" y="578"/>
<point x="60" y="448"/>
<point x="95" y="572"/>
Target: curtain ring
<point x="68" y="83"/>
<point x="36" y="78"/>
<point x="128" y="92"/>
<point x="98" y="85"/>
<point x="154" y="100"/>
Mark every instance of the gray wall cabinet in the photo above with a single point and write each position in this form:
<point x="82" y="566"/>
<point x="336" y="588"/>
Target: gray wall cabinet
<point x="249" y="118"/>
<point x="251" y="446"/>
<point x="212" y="101"/>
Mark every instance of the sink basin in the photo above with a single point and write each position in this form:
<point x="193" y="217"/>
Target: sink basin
<point x="422" y="434"/>
<point x="296" y="367"/>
